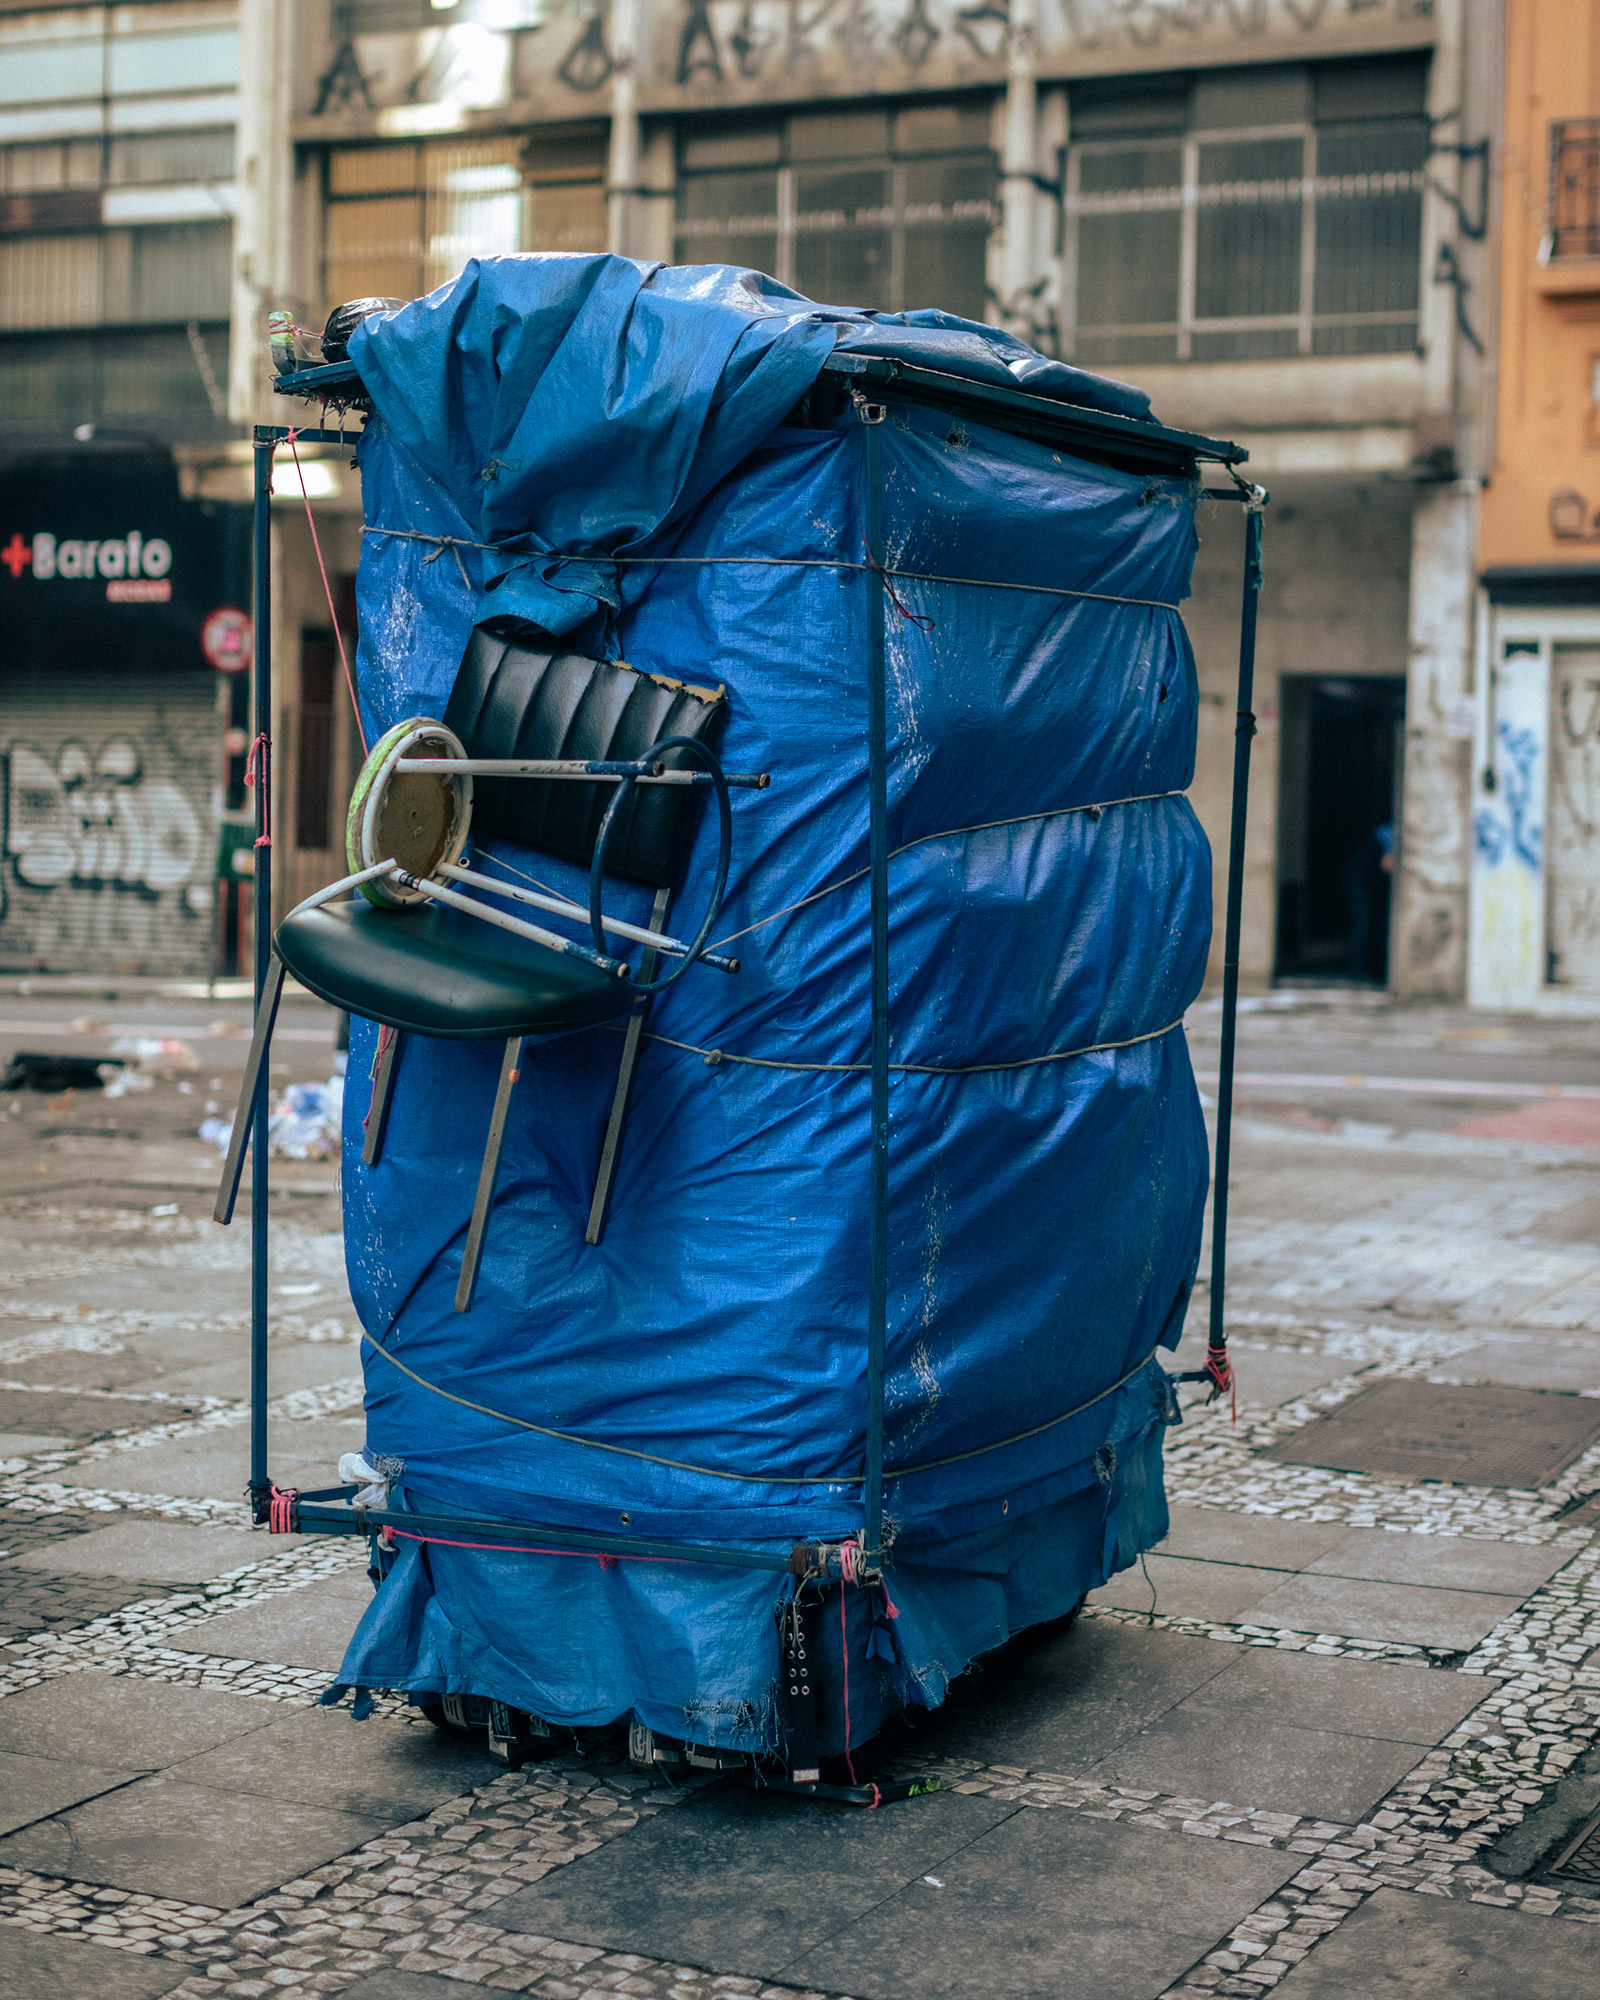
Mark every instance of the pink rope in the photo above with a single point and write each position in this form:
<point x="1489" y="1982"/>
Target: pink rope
<point x="327" y="591"/>
<point x="256" y="772"/>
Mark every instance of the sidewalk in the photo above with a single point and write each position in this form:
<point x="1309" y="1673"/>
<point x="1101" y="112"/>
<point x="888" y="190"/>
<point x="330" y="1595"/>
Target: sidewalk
<point x="1326" y="1742"/>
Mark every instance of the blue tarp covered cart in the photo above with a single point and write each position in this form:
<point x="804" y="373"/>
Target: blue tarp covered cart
<point x="848" y="1371"/>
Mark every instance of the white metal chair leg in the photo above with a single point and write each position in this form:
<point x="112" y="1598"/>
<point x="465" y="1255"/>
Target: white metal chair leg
<point x="254" y="1081"/>
<point x="382" y="1097"/>
<point x="509" y="1072"/>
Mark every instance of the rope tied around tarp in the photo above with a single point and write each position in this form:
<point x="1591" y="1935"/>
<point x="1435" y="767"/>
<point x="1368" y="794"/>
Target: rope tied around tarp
<point x="884" y="570"/>
<point x="754" y="1478"/>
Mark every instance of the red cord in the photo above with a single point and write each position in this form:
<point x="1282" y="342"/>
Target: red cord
<point x="280" y="1513"/>
<point x="1220" y="1368"/>
<point x="259" y="772"/>
<point x="327" y="591"/>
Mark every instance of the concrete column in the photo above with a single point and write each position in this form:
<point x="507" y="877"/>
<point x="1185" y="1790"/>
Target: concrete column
<point x="622" y="171"/>
<point x="263" y="274"/>
<point x="1430" y="959"/>
<point x="1019" y="162"/>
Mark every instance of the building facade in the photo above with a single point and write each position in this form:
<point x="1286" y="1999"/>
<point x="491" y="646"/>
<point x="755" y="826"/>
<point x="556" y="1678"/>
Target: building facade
<point x="116" y="307"/>
<point x="1536" y="753"/>
<point x="1273" y="214"/>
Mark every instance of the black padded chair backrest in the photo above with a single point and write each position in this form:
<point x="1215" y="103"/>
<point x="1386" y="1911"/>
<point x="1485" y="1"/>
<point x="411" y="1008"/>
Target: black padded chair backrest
<point x="509" y="702"/>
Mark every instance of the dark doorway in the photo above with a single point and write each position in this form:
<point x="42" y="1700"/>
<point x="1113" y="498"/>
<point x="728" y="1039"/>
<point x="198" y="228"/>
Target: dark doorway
<point x="1337" y="810"/>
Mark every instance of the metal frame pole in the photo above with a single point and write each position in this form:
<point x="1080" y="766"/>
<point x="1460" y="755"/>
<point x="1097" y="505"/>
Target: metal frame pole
<point x="261" y="905"/>
<point x="1244" y="731"/>
<point x="872" y="416"/>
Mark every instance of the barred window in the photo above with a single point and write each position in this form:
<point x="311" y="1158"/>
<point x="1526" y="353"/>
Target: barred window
<point x="403" y="219"/>
<point x="1282" y="237"/>
<point x="1575" y="188"/>
<point x="875" y="208"/>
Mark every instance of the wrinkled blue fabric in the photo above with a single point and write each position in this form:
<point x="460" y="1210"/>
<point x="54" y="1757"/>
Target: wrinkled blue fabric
<point x="700" y="1374"/>
<point x="546" y="372"/>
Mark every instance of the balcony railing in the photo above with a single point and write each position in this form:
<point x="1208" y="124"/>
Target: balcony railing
<point x="1575" y="188"/>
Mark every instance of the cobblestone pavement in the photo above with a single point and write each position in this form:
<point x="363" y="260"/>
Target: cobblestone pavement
<point x="1347" y="1684"/>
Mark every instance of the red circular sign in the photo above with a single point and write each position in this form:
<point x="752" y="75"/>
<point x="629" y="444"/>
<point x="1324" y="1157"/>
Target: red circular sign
<point x="227" y="640"/>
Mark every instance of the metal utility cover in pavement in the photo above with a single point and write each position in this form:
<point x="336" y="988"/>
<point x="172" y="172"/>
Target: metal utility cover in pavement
<point x="1429" y="1430"/>
<point x="1579" y="1861"/>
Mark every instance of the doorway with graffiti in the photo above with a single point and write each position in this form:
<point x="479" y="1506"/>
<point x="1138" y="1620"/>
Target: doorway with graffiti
<point x="1338" y="815"/>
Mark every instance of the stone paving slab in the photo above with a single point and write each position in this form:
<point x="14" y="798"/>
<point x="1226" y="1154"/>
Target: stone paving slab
<point x="1400" y="1947"/>
<point x="310" y="1627"/>
<point x="146" y="1725"/>
<point x="1412" y="1615"/>
<point x="35" y="1602"/>
<point x="185" y="1841"/>
<point x="216" y="1463"/>
<point x="33" y="1967"/>
<point x="1455" y="1562"/>
<point x="1183" y="1588"/>
<point x="19" y="1444"/>
<point x="304" y="1365"/>
<point x="319" y="1757"/>
<point x="1059" y="1705"/>
<point x="35" y="1787"/>
<point x="1565" y="1363"/>
<point x="1049" y="1907"/>
<point x="70" y="1416"/>
<point x="1232" y="1754"/>
<point x="147" y="1548"/>
<point x="1258" y="1539"/>
<point x="741" y="1881"/>
<point x="1267" y="1377"/>
<point x="1406" y="1704"/>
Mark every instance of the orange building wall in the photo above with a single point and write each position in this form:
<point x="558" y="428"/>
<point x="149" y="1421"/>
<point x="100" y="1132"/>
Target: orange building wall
<point x="1547" y="416"/>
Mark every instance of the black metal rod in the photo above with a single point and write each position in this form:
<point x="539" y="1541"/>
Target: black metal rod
<point x="878" y="826"/>
<point x="539" y="1535"/>
<point x="250" y="1090"/>
<point x="478" y="1228"/>
<point x="1244" y="731"/>
<point x="261" y="908"/>
<point x="611" y="1145"/>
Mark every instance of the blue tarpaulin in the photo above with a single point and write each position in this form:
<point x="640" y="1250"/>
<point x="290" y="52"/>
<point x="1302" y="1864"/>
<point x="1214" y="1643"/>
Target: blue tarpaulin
<point x="602" y="449"/>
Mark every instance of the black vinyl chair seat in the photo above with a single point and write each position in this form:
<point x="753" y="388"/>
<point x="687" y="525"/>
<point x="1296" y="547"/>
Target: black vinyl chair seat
<point x="432" y="971"/>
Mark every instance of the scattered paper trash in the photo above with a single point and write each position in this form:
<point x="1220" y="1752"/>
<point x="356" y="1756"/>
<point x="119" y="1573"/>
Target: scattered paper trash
<point x="298" y="1291"/>
<point x="305" y="1123"/>
<point x="120" y="1082"/>
<point x="157" y="1055"/>
<point x="165" y="1208"/>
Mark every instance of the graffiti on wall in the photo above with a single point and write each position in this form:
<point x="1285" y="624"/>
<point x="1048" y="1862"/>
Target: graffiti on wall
<point x="561" y="53"/>
<point x="96" y="820"/>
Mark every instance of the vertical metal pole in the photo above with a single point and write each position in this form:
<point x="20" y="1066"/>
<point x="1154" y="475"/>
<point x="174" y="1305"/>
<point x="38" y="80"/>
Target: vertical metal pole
<point x="261" y="905"/>
<point x="1244" y="730"/>
<point x="878" y="794"/>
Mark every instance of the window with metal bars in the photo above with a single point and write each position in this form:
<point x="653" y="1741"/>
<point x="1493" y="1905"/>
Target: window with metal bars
<point x="865" y="207"/>
<point x="1257" y="237"/>
<point x="404" y="218"/>
<point x="1575" y="188"/>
